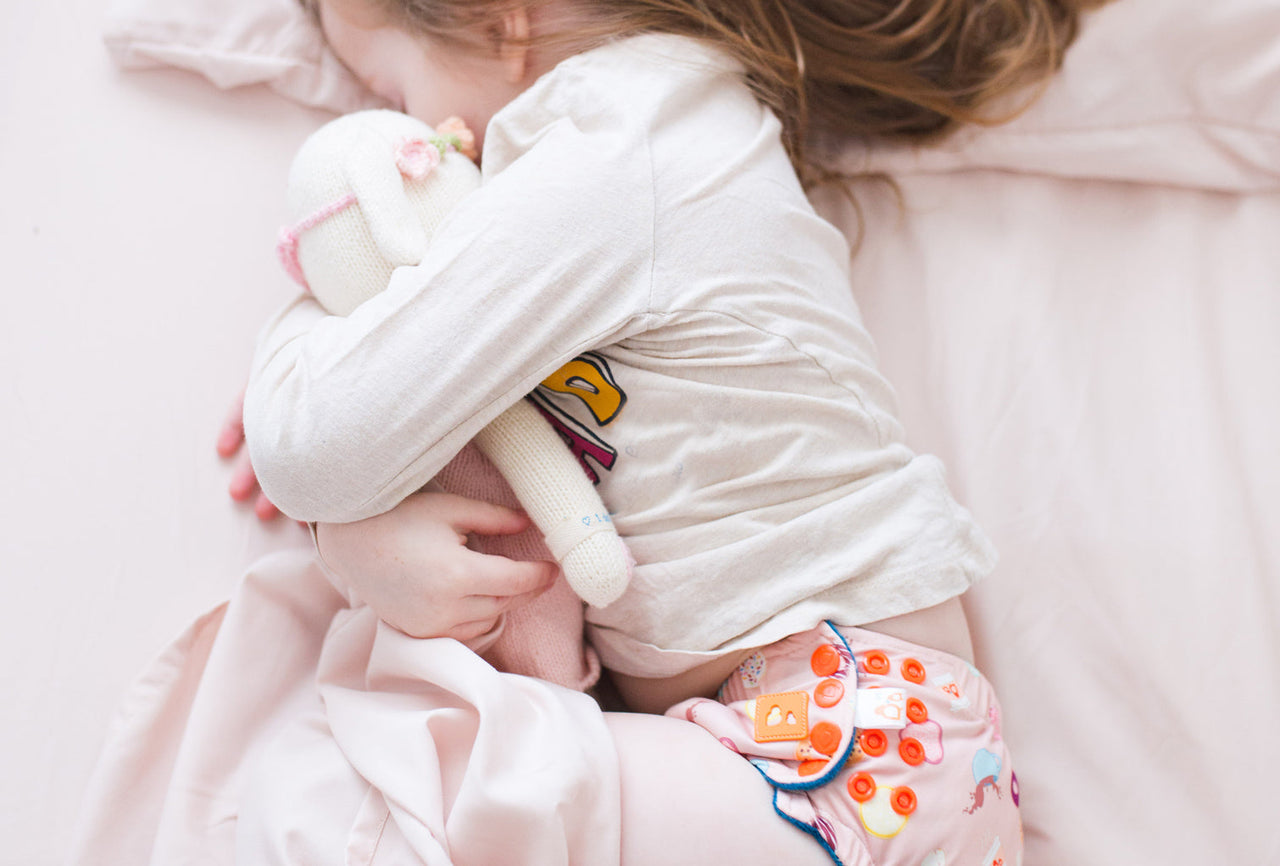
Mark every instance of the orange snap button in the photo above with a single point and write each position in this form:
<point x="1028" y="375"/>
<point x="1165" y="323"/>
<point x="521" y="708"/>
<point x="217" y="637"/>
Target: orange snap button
<point x="828" y="693"/>
<point x="825" y="737"/>
<point x="917" y="711"/>
<point x="862" y="787"/>
<point x="903" y="800"/>
<point x="911" y="751"/>
<point x="873" y="743"/>
<point x="811" y="768"/>
<point x="875" y="662"/>
<point x="825" y="660"/>
<point x="912" y="671"/>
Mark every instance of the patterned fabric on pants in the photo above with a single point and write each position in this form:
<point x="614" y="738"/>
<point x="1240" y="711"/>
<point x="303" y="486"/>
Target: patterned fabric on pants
<point x="886" y="752"/>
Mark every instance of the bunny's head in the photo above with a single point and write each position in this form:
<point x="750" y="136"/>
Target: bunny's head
<point x="366" y="193"/>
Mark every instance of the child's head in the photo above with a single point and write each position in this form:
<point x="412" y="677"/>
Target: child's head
<point x="875" y="68"/>
<point x="418" y="71"/>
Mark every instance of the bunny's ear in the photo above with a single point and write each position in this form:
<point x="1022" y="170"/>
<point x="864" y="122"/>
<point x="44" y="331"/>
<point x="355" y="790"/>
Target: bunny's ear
<point x="378" y="184"/>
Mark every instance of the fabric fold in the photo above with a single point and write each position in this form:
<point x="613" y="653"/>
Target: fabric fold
<point x="285" y="725"/>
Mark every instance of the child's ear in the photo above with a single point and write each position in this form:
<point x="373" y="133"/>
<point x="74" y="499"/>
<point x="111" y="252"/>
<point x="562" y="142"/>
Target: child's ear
<point x="512" y="38"/>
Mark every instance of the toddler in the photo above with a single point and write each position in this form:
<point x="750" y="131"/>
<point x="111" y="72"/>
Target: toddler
<point x="642" y="257"/>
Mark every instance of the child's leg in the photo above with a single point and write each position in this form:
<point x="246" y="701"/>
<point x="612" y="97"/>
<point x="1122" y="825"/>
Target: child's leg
<point x="686" y="799"/>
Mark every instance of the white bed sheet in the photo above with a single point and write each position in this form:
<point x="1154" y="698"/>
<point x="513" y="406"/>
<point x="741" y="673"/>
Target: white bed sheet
<point x="1095" y="361"/>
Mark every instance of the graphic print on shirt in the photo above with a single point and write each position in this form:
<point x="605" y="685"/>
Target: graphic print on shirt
<point x="589" y="379"/>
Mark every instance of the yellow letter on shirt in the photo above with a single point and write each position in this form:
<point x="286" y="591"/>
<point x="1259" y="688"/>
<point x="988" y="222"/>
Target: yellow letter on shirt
<point x="589" y="378"/>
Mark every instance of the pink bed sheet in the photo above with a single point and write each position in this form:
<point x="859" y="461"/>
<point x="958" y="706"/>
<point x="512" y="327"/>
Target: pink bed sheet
<point x="1097" y="365"/>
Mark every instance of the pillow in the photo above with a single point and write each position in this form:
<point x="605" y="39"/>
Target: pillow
<point x="234" y="43"/>
<point x="1182" y="92"/>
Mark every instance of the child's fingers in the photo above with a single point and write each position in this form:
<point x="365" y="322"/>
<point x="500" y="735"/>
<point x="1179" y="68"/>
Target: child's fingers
<point x="481" y="607"/>
<point x="496" y="581"/>
<point x="231" y="436"/>
<point x="511" y="602"/>
<point x="244" y="484"/>
<point x="482" y="612"/>
<point x="484" y="518"/>
<point x="265" y="509"/>
<point x="243" y="481"/>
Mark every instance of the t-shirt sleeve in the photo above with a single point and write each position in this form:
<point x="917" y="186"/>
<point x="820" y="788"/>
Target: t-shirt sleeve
<point x="344" y="417"/>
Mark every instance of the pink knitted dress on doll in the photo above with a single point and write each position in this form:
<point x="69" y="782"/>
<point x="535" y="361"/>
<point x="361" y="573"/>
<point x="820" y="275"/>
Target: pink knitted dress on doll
<point x="544" y="638"/>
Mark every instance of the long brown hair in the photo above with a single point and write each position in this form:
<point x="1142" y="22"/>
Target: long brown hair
<point x="830" y="69"/>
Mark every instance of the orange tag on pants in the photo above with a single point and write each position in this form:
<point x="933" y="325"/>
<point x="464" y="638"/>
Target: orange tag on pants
<point x="782" y="716"/>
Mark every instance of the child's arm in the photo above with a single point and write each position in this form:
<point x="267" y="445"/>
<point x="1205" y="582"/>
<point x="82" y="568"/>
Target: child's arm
<point x="412" y="567"/>
<point x="345" y="417"/>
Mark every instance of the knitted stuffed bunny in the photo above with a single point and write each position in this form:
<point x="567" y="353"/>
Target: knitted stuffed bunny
<point x="368" y="191"/>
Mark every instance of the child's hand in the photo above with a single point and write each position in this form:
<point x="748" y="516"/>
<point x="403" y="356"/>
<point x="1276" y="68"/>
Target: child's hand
<point x="244" y="482"/>
<point x="411" y="565"/>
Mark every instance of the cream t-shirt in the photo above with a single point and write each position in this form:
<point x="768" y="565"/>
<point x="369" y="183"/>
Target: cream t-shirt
<point x="640" y="243"/>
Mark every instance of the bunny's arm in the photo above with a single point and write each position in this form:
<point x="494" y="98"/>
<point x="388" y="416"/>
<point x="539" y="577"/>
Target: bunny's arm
<point x="561" y="501"/>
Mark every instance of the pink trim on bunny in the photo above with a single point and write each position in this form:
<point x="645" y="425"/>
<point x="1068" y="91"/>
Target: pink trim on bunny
<point x="415" y="158"/>
<point x="287" y="241"/>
